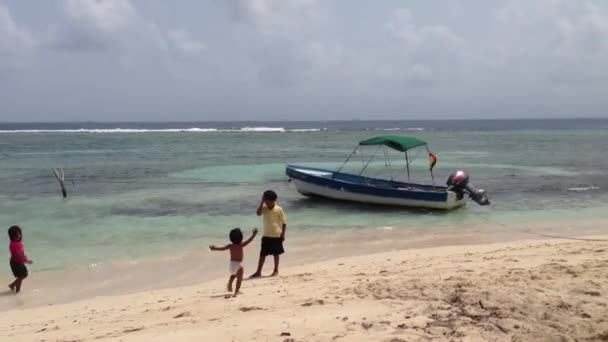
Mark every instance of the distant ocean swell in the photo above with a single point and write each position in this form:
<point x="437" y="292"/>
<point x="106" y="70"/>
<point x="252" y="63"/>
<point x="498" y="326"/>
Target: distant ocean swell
<point x="189" y="130"/>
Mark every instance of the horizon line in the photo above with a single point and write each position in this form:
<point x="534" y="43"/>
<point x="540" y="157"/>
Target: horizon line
<point x="299" y="121"/>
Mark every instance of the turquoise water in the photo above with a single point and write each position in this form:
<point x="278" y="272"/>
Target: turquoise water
<point x="134" y="195"/>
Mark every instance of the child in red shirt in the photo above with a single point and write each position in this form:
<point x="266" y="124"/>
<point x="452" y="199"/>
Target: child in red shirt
<point x="18" y="258"/>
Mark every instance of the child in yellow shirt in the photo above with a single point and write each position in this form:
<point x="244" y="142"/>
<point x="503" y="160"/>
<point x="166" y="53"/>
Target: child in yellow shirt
<point x="275" y="226"/>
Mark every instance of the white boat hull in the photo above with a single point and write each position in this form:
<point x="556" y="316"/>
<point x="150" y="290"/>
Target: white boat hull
<point x="309" y="189"/>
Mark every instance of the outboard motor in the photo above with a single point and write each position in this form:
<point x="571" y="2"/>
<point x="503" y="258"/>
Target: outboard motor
<point x="459" y="183"/>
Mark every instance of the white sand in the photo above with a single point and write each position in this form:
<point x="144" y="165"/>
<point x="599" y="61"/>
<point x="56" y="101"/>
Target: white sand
<point x="551" y="290"/>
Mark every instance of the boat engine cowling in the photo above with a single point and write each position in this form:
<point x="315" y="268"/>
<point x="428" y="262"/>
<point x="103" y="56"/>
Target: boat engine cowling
<point x="459" y="183"/>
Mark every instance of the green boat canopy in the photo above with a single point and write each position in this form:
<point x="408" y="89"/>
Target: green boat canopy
<point x="396" y="142"/>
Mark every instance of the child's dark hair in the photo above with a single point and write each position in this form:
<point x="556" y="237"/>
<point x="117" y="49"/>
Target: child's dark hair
<point x="270" y="195"/>
<point x="14" y="233"/>
<point x="236" y="236"/>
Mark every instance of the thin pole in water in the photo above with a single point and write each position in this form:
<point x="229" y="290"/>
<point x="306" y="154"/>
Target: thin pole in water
<point x="59" y="175"/>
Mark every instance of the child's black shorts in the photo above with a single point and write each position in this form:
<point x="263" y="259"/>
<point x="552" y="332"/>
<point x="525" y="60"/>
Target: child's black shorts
<point x="19" y="270"/>
<point x="271" y="246"/>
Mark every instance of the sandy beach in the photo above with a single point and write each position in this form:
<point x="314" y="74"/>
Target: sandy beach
<point x="532" y="290"/>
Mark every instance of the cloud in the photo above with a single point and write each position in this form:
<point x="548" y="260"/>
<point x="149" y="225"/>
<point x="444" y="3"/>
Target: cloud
<point x="580" y="47"/>
<point x="276" y="16"/>
<point x="281" y="42"/>
<point x="180" y="40"/>
<point x="562" y="42"/>
<point x="298" y="48"/>
<point x="421" y="54"/>
<point x="104" y="25"/>
<point x="339" y="57"/>
<point x="15" y="44"/>
<point x="103" y="15"/>
<point x="13" y="39"/>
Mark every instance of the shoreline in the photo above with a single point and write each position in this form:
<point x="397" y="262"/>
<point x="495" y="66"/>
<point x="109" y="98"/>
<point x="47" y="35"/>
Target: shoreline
<point x="200" y="266"/>
<point x="524" y="290"/>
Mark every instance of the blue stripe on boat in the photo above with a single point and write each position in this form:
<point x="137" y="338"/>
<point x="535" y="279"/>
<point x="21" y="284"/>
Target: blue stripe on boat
<point x="369" y="186"/>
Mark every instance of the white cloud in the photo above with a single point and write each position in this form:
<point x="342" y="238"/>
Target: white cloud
<point x="421" y="54"/>
<point x="15" y="44"/>
<point x="282" y="41"/>
<point x="587" y="32"/>
<point x="180" y="39"/>
<point x="420" y="74"/>
<point x="492" y="57"/>
<point x="558" y="41"/>
<point x="13" y="39"/>
<point x="581" y="48"/>
<point x="414" y="38"/>
<point x="99" y="25"/>
<point x="280" y="17"/>
<point x="104" y="15"/>
<point x="324" y="56"/>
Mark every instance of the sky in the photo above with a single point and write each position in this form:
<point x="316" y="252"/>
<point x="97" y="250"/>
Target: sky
<point x="198" y="60"/>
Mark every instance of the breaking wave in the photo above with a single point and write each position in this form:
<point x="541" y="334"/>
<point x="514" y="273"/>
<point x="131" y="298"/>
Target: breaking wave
<point x="404" y="129"/>
<point x="165" y="130"/>
<point x="584" y="188"/>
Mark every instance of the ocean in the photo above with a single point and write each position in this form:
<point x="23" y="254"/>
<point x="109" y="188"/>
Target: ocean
<point x="138" y="190"/>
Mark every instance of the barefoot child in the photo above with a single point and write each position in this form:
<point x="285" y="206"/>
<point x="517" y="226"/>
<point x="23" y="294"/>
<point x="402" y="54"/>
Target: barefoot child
<point x="18" y="258"/>
<point x="236" y="256"/>
<point x="275" y="226"/>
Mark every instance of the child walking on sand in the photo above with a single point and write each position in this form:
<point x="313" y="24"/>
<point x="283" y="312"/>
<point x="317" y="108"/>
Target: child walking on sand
<point x="275" y="226"/>
<point x="18" y="258"/>
<point x="236" y="256"/>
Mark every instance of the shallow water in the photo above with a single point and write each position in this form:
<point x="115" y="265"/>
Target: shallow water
<point x="135" y="194"/>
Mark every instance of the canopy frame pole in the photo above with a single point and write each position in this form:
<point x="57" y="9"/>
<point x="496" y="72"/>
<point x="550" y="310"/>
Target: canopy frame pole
<point x="407" y="165"/>
<point x="347" y="159"/>
<point x="387" y="157"/>
<point x="362" y="159"/>
<point x="387" y="161"/>
<point x="430" y="168"/>
<point x="370" y="159"/>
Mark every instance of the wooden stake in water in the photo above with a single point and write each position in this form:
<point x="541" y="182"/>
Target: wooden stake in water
<point x="59" y="175"/>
